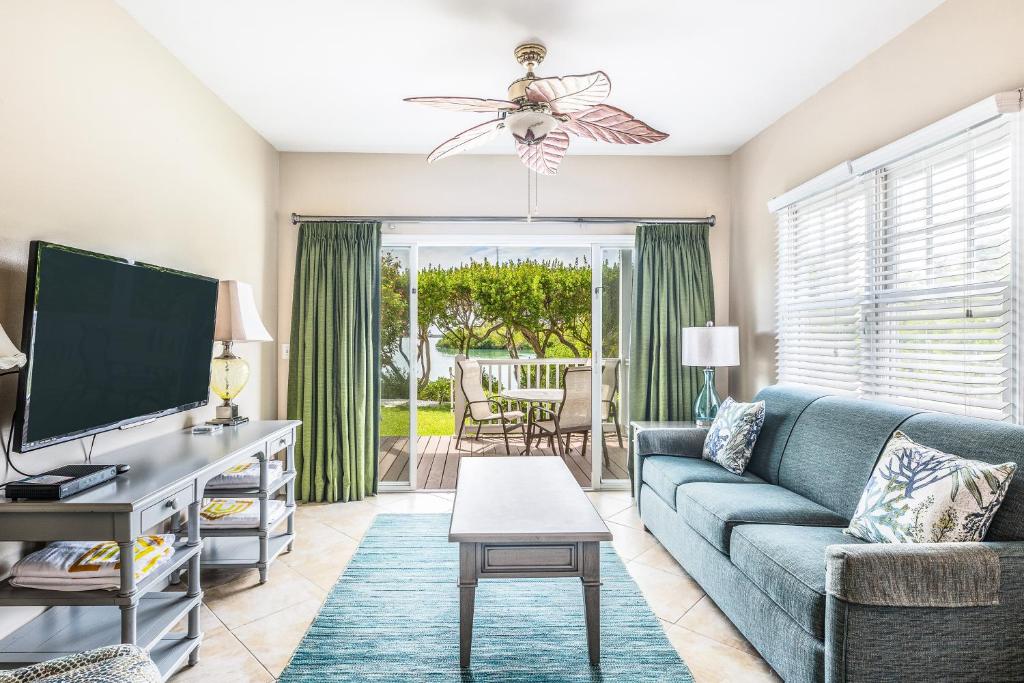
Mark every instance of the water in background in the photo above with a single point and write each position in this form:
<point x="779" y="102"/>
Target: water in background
<point x="442" y="362"/>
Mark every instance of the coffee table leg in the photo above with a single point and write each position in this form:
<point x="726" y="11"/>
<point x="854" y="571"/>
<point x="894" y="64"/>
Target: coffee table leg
<point x="467" y="598"/>
<point x="592" y="599"/>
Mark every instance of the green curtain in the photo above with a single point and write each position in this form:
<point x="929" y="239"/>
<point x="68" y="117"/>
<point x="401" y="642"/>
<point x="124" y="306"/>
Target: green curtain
<point x="673" y="290"/>
<point x="333" y="384"/>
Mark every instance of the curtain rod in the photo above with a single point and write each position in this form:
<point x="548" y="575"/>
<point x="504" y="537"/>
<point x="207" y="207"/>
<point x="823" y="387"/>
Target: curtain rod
<point x="300" y="218"/>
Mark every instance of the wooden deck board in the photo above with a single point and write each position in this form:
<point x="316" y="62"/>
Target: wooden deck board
<point x="438" y="459"/>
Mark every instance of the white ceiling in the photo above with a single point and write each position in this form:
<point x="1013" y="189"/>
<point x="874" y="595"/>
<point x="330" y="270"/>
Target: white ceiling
<point x="330" y="75"/>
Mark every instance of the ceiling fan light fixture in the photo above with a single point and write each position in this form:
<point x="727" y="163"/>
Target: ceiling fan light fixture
<point x="530" y="127"/>
<point x="541" y="114"/>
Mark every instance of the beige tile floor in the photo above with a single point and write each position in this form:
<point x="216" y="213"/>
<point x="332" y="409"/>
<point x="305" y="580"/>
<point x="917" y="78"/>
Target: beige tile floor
<point x="252" y="630"/>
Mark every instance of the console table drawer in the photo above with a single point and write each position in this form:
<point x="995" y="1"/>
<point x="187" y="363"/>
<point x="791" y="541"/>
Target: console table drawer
<point x="523" y="559"/>
<point x="158" y="512"/>
<point x="279" y="443"/>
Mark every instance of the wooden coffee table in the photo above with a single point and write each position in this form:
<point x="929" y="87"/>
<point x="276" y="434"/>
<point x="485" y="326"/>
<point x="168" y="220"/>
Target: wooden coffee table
<point x="523" y="517"/>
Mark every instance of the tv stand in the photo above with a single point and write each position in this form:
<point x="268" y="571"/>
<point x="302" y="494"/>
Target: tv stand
<point x="168" y="476"/>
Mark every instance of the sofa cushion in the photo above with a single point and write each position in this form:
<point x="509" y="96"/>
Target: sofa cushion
<point x="918" y="494"/>
<point x="664" y="473"/>
<point x="712" y="510"/>
<point x="833" y="449"/>
<point x="985" y="440"/>
<point x="782" y="407"/>
<point x="732" y="436"/>
<point x="788" y="564"/>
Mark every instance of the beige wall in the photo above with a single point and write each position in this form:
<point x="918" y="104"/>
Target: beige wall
<point x="962" y="52"/>
<point x="108" y="143"/>
<point x="394" y="184"/>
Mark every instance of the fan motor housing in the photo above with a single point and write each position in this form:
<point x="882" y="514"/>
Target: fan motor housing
<point x="529" y="55"/>
<point x="517" y="90"/>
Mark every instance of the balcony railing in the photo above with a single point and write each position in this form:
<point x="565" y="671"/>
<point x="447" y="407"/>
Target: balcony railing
<point x="499" y="374"/>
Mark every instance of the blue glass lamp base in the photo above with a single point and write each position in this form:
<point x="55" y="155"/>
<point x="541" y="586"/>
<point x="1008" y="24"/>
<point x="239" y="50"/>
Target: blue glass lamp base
<point x="705" y="408"/>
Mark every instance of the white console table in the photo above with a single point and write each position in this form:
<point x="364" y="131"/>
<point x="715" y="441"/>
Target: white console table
<point x="168" y="475"/>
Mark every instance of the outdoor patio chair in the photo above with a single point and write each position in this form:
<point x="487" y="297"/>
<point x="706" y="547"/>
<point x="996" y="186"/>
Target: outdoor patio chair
<point x="480" y="407"/>
<point x="610" y="387"/>
<point x="572" y="416"/>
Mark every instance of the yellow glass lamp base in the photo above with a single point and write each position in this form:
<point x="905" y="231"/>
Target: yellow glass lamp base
<point x="228" y="376"/>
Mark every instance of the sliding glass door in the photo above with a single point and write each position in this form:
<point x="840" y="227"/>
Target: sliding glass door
<point x="395" y="468"/>
<point x="612" y="313"/>
<point x="521" y="316"/>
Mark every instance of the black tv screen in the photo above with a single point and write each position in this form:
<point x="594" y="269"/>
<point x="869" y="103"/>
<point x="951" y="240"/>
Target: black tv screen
<point x="109" y="342"/>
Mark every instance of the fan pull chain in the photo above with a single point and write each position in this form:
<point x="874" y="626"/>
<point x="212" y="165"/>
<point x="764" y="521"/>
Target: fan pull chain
<point x="536" y="194"/>
<point x="529" y="196"/>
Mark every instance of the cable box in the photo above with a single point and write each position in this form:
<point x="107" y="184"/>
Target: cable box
<point x="60" y="482"/>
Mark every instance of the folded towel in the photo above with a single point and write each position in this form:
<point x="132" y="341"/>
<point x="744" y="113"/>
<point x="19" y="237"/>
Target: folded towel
<point x="238" y="513"/>
<point x="108" y="584"/>
<point x="89" y="565"/>
<point x="246" y="475"/>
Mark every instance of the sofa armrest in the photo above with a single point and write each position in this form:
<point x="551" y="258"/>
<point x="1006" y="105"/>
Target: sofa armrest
<point x="683" y="442"/>
<point x="942" y="607"/>
<point x="686" y="442"/>
<point x="917" y="574"/>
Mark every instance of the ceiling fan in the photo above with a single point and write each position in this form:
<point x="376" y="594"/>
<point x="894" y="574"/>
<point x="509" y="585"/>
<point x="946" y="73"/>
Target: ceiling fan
<point x="541" y="113"/>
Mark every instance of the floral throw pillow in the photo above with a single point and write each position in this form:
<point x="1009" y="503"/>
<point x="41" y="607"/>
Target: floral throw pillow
<point x="918" y="494"/>
<point x="730" y="440"/>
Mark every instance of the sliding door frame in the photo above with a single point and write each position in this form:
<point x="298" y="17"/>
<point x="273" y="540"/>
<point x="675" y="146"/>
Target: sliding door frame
<point x="596" y="243"/>
<point x="411" y="485"/>
<point x="598" y="249"/>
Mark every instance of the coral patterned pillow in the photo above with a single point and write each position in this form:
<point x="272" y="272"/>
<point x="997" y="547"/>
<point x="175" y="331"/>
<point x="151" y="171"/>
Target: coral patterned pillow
<point x="730" y="441"/>
<point x="918" y="494"/>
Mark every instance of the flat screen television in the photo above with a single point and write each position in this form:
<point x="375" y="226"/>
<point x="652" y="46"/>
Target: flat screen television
<point x="110" y="342"/>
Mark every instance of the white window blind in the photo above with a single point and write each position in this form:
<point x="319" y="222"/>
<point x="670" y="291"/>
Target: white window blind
<point x="899" y="283"/>
<point x="940" y="306"/>
<point x="821" y="289"/>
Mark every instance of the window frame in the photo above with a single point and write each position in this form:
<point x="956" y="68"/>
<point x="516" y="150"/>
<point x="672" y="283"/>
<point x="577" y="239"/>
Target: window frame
<point x="881" y="249"/>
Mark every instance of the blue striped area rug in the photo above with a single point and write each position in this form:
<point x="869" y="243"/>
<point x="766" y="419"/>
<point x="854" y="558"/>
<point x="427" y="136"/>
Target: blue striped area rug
<point x="394" y="616"/>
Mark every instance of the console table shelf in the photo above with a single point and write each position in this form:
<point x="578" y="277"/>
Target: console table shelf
<point x="253" y="492"/>
<point x="168" y="477"/>
<point x="250" y="531"/>
<point x="66" y="630"/>
<point x="256" y="547"/>
<point x="241" y="553"/>
<point x="11" y="595"/>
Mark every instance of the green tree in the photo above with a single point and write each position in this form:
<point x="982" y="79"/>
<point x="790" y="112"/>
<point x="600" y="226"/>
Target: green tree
<point x="542" y="305"/>
<point x="545" y="304"/>
<point x="610" y="309"/>
<point x="394" y="315"/>
<point x="448" y="302"/>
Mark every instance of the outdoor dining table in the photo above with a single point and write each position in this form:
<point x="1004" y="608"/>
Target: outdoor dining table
<point x="533" y="397"/>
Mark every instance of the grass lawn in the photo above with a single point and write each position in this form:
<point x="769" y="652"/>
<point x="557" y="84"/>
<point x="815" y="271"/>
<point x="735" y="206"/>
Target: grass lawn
<point x="394" y="421"/>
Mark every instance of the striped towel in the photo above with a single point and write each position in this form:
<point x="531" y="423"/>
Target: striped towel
<point x="238" y="513"/>
<point x="89" y="565"/>
<point x="246" y="475"/>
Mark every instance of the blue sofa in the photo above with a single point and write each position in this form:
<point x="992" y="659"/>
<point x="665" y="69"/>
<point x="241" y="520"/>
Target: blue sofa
<point x="768" y="546"/>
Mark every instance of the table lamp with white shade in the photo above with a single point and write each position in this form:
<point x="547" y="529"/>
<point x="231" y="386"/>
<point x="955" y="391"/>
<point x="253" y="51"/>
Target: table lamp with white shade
<point x="710" y="347"/>
<point x="10" y="357"/>
<point x="237" y="321"/>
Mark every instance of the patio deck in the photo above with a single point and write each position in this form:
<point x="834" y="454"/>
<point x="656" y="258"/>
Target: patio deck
<point x="439" y="461"/>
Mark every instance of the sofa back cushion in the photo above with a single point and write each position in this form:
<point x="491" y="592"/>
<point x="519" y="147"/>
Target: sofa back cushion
<point x="985" y="440"/>
<point x="833" y="449"/>
<point x="782" y="406"/>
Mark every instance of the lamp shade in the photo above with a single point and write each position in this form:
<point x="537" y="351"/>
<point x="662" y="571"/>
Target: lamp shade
<point x="10" y="356"/>
<point x="711" y="347"/>
<point x="237" y="317"/>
